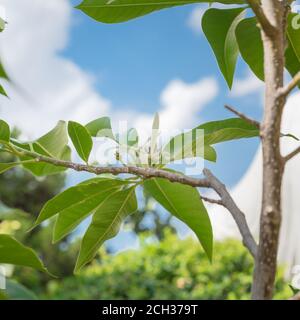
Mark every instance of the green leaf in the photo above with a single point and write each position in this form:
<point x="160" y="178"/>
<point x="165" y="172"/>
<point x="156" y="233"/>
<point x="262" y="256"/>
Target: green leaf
<point x="294" y="290"/>
<point x="129" y="138"/>
<point x="132" y="137"/>
<point x="16" y="291"/>
<point x="9" y="165"/>
<point x="123" y="10"/>
<point x="13" y="252"/>
<point x="293" y="49"/>
<point x="214" y="132"/>
<point x="249" y="40"/>
<point x="219" y="28"/>
<point x="227" y="130"/>
<point x="184" y="203"/>
<point x="251" y="46"/>
<point x="2" y="24"/>
<point x="106" y="223"/>
<point x="3" y="73"/>
<point x="81" y="139"/>
<point x="54" y="144"/>
<point x="187" y="145"/>
<point x="77" y="201"/>
<point x="101" y="128"/>
<point x="2" y="91"/>
<point x="91" y="197"/>
<point x="4" y="131"/>
<point x="292" y="61"/>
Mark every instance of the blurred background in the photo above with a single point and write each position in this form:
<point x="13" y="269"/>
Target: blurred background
<point x="63" y="65"/>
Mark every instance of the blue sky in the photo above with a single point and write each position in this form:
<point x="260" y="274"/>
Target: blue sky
<point x="133" y="61"/>
<point x="82" y="69"/>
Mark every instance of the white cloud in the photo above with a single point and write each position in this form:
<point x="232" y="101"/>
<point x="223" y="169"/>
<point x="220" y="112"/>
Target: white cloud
<point x="250" y="84"/>
<point x="194" y="19"/>
<point x="53" y="87"/>
<point x="180" y="103"/>
<point x="49" y="87"/>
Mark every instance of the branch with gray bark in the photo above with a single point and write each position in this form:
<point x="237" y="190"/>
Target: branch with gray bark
<point x="209" y="181"/>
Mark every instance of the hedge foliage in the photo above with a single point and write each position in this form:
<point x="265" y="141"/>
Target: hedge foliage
<point x="169" y="269"/>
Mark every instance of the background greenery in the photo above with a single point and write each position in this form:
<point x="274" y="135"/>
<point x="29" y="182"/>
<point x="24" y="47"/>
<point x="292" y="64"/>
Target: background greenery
<point x="169" y="269"/>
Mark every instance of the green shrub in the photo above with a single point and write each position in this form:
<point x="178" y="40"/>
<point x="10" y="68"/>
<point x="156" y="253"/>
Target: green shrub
<point x="170" y="269"/>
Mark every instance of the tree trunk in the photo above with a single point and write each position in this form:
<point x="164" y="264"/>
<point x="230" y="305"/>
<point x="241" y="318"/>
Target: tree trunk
<point x="270" y="221"/>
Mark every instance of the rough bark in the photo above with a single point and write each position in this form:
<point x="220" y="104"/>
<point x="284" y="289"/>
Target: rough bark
<point x="273" y="164"/>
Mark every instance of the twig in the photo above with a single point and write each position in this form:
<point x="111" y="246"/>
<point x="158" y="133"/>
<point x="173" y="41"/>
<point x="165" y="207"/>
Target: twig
<point x="212" y="201"/>
<point x="243" y="116"/>
<point x="236" y="213"/>
<point x="285" y="91"/>
<point x="291" y="155"/>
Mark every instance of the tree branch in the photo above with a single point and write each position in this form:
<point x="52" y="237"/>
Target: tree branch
<point x="285" y="91"/>
<point x="212" y="201"/>
<point x="147" y="173"/>
<point x="243" y="116"/>
<point x="236" y="213"/>
<point x="291" y="155"/>
<point x="266" y="25"/>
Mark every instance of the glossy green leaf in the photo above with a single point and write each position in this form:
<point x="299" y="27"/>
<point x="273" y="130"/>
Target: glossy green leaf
<point x="13" y="252"/>
<point x="92" y="196"/>
<point x="2" y="91"/>
<point x="129" y="138"/>
<point x="7" y="166"/>
<point x="219" y="28"/>
<point x="123" y="10"/>
<point x="106" y="223"/>
<point x="293" y="48"/>
<point x="251" y="46"/>
<point x="2" y="24"/>
<point x="101" y="128"/>
<point x="292" y="61"/>
<point x="3" y="73"/>
<point x="249" y="40"/>
<point x="76" y="202"/>
<point x="227" y="130"/>
<point x="184" y="203"/>
<point x="16" y="291"/>
<point x="132" y="137"/>
<point x="214" y="132"/>
<point x="187" y="146"/>
<point x="81" y="139"/>
<point x="54" y="145"/>
<point x="10" y="165"/>
<point x="4" y="131"/>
